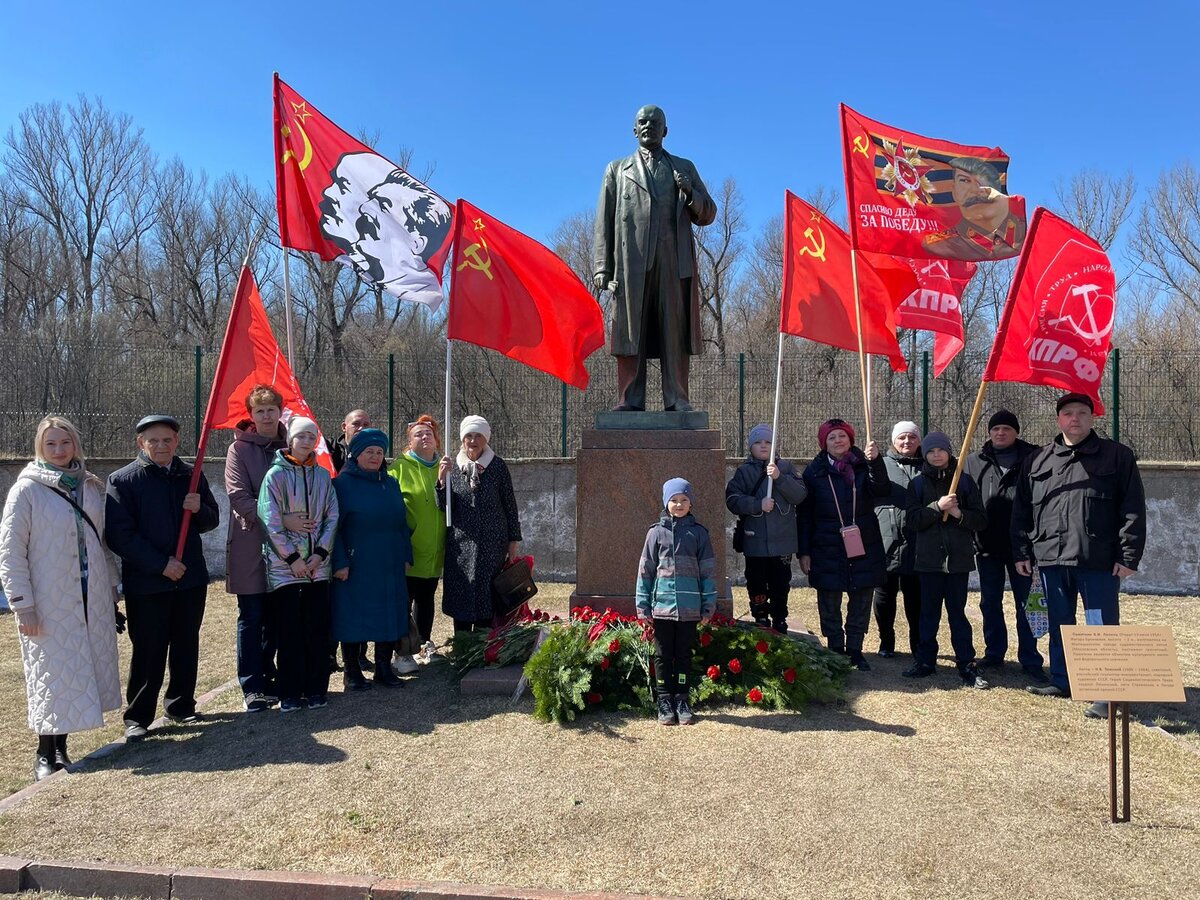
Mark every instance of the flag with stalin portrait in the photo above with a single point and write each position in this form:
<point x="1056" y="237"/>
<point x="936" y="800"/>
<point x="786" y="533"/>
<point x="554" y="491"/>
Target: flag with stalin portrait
<point x="925" y="198"/>
<point x="338" y="198"/>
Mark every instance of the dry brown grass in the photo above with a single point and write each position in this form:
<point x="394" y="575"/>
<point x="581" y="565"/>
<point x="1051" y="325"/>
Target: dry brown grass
<point x="925" y="790"/>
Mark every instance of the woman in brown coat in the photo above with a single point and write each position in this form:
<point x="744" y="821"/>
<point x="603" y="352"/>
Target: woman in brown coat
<point x="246" y="463"/>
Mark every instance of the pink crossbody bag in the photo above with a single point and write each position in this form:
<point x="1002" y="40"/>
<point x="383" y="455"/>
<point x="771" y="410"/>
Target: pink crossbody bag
<point x="851" y="535"/>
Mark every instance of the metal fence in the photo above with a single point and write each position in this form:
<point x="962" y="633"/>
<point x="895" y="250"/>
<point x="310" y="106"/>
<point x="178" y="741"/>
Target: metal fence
<point x="1152" y="398"/>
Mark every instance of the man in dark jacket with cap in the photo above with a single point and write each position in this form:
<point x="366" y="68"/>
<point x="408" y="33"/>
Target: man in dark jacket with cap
<point x="1080" y="515"/>
<point x="164" y="596"/>
<point x="995" y="469"/>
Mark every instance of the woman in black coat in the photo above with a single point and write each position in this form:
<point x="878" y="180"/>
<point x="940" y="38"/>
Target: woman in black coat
<point x="841" y="549"/>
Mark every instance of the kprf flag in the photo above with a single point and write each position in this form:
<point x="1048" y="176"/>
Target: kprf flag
<point x="1057" y="323"/>
<point x="511" y="294"/>
<point x="922" y="198"/>
<point x="818" y="287"/>
<point x="340" y="199"/>
<point x="250" y="356"/>
<point x="936" y="305"/>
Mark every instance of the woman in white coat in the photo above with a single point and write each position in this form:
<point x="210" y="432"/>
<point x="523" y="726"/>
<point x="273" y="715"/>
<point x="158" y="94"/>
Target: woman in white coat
<point x="60" y="582"/>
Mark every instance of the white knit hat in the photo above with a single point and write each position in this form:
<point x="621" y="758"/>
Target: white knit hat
<point x="298" y="425"/>
<point x="905" y="428"/>
<point x="476" y="425"/>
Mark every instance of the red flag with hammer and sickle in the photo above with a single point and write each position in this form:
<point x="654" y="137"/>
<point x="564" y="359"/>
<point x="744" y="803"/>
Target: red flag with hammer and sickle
<point x="338" y="198"/>
<point x="818" y="287"/>
<point x="1057" y="324"/>
<point x="510" y="293"/>
<point x="925" y="198"/>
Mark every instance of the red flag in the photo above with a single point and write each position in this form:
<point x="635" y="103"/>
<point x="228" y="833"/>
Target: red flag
<point x="250" y="355"/>
<point x="923" y="198"/>
<point x="937" y="305"/>
<point x="341" y="200"/>
<point x="511" y="294"/>
<point x="1057" y="323"/>
<point x="818" y="287"/>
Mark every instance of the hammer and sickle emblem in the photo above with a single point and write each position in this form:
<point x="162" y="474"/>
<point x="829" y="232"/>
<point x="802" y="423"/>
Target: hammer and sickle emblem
<point x="479" y="261"/>
<point x="306" y="159"/>
<point x="814" y="248"/>
<point x="861" y="145"/>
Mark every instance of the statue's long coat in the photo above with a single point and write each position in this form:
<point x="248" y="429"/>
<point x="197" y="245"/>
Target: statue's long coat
<point x="621" y="232"/>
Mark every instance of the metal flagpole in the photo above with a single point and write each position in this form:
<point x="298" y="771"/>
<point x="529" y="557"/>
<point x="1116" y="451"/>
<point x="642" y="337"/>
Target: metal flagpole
<point x="287" y="309"/>
<point x="775" y="417"/>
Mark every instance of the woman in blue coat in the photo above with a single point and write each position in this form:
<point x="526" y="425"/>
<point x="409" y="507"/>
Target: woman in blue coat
<point x="841" y="549"/>
<point x="373" y="547"/>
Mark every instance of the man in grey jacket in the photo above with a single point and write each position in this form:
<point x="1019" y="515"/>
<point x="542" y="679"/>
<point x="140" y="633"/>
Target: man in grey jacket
<point x="1080" y="514"/>
<point x="645" y="254"/>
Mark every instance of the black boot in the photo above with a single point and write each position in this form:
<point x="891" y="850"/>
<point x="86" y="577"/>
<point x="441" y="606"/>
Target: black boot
<point x="383" y="666"/>
<point x="352" y="676"/>
<point x="43" y="766"/>
<point x="760" y="611"/>
<point x="61" y="760"/>
<point x="364" y="661"/>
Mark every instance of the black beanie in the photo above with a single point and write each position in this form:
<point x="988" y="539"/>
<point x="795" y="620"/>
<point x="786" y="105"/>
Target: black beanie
<point x="1004" y="417"/>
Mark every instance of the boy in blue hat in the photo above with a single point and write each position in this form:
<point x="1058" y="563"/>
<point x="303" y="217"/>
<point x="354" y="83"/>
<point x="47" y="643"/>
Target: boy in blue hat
<point x="677" y="589"/>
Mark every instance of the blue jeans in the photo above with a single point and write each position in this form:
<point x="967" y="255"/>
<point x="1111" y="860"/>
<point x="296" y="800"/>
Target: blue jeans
<point x="1063" y="586"/>
<point x="936" y="588"/>
<point x="991" y="605"/>
<point x="255" y="644"/>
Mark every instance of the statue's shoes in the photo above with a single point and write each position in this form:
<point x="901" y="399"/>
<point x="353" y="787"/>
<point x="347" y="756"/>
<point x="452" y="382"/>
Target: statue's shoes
<point x="680" y="407"/>
<point x="624" y="407"/>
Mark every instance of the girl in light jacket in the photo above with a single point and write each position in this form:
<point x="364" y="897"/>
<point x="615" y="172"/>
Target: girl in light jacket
<point x="298" y="566"/>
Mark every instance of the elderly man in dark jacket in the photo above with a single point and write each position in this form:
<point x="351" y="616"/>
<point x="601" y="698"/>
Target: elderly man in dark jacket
<point x="994" y="469"/>
<point x="1080" y="515"/>
<point x="164" y="596"/>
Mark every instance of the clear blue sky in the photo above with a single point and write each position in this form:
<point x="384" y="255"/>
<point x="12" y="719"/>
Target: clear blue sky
<point x="521" y="104"/>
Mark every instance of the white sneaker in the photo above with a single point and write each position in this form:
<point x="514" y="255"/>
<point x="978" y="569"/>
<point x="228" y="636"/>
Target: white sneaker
<point x="427" y="654"/>
<point x="404" y="665"/>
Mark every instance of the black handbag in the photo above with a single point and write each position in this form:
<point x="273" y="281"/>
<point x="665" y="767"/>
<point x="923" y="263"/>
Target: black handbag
<point x="512" y="586"/>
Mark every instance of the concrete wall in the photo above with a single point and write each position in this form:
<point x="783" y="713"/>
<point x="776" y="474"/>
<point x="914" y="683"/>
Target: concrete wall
<point x="545" y="491"/>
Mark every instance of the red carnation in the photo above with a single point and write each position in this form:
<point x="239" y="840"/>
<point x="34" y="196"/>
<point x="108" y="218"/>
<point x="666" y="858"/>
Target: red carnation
<point x="714" y="672"/>
<point x="762" y="646"/>
<point x="705" y="639"/>
<point x="604" y="663"/>
<point x="735" y="665"/>
<point x="789" y="675"/>
<point x="755" y="695"/>
<point x="492" y="653"/>
<point x="594" y="697"/>
<point x="595" y="631"/>
<point x="614" y="646"/>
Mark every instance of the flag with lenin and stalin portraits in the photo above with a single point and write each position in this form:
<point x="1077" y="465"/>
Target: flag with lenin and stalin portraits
<point x="924" y="198"/>
<point x="340" y="199"/>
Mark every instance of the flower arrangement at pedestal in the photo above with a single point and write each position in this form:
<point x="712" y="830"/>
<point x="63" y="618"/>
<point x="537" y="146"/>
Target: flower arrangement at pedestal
<point x="603" y="660"/>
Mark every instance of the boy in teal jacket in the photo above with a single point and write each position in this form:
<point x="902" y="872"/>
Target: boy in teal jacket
<point x="677" y="589"/>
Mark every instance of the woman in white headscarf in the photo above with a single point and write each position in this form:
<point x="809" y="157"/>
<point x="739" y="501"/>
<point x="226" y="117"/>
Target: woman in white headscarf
<point x="484" y="528"/>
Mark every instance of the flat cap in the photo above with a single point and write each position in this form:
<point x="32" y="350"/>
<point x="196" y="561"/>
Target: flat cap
<point x="1075" y="397"/>
<point x="149" y="421"/>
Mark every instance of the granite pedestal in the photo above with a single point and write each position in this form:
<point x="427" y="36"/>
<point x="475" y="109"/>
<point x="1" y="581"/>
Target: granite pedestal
<point x="619" y="476"/>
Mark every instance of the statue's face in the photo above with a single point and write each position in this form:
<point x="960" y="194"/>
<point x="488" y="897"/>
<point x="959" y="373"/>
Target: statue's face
<point x="650" y="127"/>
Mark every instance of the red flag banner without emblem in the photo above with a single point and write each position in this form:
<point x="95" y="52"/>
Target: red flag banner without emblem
<point x="936" y="305"/>
<point x="510" y="293"/>
<point x="818" y="288"/>
<point x="340" y="199"/>
<point x="250" y="355"/>
<point x="1057" y="323"/>
<point x="924" y="198"/>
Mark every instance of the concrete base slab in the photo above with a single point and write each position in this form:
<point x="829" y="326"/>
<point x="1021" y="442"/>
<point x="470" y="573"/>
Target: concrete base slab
<point x="497" y="682"/>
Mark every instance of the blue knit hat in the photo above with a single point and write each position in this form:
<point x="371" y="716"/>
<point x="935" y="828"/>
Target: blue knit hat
<point x="677" y="486"/>
<point x="935" y="440"/>
<point x="368" y="437"/>
<point x="759" y="433"/>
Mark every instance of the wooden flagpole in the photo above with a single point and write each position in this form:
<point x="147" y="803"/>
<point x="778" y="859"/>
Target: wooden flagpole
<point x="775" y="416"/>
<point x="862" y="353"/>
<point x="446" y="430"/>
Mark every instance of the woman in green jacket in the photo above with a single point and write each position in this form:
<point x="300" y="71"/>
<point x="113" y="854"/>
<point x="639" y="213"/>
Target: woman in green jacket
<point x="417" y="469"/>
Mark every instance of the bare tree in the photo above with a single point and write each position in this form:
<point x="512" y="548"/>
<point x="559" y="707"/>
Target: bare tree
<point x="1167" y="237"/>
<point x="719" y="248"/>
<point x="1097" y="203"/>
<point x="85" y="172"/>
